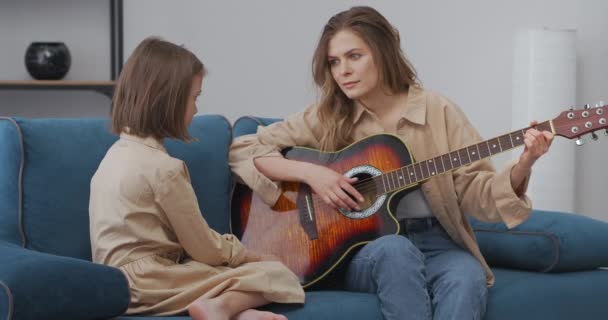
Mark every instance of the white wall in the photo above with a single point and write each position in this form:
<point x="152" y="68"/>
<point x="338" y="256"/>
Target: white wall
<point x="259" y="55"/>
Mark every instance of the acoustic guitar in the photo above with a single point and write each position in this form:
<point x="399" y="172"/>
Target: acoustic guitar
<point x="311" y="238"/>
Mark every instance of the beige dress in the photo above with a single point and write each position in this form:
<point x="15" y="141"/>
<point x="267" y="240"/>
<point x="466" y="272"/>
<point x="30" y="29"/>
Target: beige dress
<point x="145" y="220"/>
<point x="431" y="125"/>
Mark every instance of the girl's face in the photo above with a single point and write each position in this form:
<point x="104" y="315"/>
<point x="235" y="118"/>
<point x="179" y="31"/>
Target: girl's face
<point x="195" y="91"/>
<point x="352" y="65"/>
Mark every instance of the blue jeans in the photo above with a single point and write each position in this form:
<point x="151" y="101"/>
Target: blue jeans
<point x="422" y="274"/>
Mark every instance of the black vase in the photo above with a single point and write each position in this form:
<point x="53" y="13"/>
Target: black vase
<point x="47" y="60"/>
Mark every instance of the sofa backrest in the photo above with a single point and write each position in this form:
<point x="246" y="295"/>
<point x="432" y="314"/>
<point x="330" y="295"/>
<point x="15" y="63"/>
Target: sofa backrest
<point x="46" y="167"/>
<point x="249" y="124"/>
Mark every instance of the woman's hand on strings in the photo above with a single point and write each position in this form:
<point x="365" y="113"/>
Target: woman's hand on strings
<point x="332" y="187"/>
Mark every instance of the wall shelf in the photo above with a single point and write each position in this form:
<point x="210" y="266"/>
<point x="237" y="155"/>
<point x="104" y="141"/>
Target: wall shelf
<point x="104" y="87"/>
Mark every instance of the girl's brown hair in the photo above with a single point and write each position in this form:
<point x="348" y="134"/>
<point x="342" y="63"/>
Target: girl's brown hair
<point x="152" y="92"/>
<point x="395" y="72"/>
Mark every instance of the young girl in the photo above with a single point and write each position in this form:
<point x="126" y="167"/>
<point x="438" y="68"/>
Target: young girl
<point x="434" y="268"/>
<point x="144" y="215"/>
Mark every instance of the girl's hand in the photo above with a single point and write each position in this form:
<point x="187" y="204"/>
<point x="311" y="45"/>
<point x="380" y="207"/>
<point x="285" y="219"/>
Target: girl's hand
<point x="332" y="187"/>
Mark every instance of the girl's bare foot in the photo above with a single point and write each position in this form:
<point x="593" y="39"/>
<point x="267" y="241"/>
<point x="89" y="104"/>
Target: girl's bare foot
<point x="252" y="314"/>
<point x="206" y="310"/>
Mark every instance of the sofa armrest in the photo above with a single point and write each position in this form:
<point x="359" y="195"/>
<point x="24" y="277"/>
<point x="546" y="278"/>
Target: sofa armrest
<point x="35" y="285"/>
<point x="548" y="241"/>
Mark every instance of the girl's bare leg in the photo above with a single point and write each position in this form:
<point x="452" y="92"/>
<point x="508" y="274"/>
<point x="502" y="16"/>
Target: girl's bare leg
<point x="232" y="305"/>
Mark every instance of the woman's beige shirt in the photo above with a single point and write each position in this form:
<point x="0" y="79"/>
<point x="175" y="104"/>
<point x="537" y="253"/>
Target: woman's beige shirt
<point x="145" y="220"/>
<point x="430" y="125"/>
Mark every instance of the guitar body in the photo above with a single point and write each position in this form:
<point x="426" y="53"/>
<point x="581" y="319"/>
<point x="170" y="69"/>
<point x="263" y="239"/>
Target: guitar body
<point x="308" y="236"/>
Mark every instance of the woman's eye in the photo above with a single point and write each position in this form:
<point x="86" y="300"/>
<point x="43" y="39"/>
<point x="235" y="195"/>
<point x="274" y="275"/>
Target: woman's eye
<point x="355" y="55"/>
<point x="333" y="62"/>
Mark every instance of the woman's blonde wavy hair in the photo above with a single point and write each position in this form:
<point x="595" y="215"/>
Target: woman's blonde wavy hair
<point x="395" y="72"/>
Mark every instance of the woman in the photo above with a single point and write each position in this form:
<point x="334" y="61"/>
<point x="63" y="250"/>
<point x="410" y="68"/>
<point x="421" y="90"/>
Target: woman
<point x="144" y="215"/>
<point x="434" y="268"/>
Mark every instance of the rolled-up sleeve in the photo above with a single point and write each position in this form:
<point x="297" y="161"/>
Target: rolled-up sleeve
<point x="301" y="129"/>
<point x="175" y="195"/>
<point x="482" y="192"/>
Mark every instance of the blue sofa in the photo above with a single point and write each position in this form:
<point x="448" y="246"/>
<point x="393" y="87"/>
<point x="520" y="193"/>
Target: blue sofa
<point x="45" y="260"/>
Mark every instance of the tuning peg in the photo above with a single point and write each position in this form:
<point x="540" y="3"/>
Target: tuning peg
<point x="587" y="106"/>
<point x="606" y="132"/>
<point x="580" y="141"/>
<point x="594" y="136"/>
<point x="601" y="103"/>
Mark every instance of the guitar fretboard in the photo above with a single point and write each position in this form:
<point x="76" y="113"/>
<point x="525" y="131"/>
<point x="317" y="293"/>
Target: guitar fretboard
<point x="423" y="170"/>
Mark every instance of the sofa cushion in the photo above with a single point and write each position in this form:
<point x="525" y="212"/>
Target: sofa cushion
<point x="10" y="172"/>
<point x="6" y="301"/>
<point x="35" y="285"/>
<point x="546" y="242"/>
<point x="515" y="295"/>
<point x="59" y="158"/>
<point x="330" y="305"/>
<point x="320" y="305"/>
<point x="557" y="296"/>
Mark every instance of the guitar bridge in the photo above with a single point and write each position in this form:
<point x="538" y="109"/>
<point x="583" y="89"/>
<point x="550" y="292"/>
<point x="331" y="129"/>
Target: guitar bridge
<point x="306" y="211"/>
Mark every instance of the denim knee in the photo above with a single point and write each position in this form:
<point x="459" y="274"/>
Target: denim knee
<point x="393" y="250"/>
<point x="468" y="279"/>
<point x="392" y="268"/>
<point x="472" y="285"/>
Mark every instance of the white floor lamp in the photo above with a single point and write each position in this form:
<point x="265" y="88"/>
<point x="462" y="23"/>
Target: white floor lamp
<point x="544" y="84"/>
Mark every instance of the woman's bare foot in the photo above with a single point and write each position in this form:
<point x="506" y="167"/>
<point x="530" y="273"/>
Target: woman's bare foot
<point x="205" y="309"/>
<point x="252" y="314"/>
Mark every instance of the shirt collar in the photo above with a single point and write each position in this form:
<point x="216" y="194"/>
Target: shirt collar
<point x="148" y="141"/>
<point x="414" y="111"/>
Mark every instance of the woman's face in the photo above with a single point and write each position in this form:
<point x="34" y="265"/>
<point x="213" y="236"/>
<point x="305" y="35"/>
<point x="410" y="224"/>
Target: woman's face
<point x="195" y="91"/>
<point x="352" y="65"/>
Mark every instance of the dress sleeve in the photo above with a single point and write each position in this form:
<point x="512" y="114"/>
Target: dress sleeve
<point x="483" y="192"/>
<point x="176" y="197"/>
<point x="301" y="129"/>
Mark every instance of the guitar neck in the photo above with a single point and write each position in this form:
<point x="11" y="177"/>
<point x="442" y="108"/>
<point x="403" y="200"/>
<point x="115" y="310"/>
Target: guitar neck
<point x="423" y="170"/>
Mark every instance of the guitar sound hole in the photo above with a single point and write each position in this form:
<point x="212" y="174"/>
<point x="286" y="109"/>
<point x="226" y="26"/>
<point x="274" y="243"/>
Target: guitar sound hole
<point x="372" y="198"/>
<point x="367" y="188"/>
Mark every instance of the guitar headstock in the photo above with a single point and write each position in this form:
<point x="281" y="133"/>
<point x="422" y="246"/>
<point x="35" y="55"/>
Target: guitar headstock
<point x="575" y="123"/>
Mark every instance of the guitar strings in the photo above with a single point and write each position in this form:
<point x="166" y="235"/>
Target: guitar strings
<point x="363" y="186"/>
<point x="370" y="184"/>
